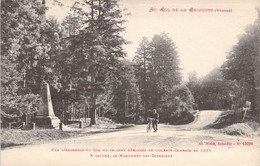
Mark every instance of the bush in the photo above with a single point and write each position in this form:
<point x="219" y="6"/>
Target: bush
<point x="242" y="129"/>
<point x="181" y="117"/>
<point x="185" y="96"/>
<point x="254" y="125"/>
<point x="178" y="102"/>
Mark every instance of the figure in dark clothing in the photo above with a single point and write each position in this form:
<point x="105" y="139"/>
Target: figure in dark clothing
<point x="155" y="116"/>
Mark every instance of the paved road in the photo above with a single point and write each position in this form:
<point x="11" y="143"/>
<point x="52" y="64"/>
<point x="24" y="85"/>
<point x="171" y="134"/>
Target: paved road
<point x="171" y="145"/>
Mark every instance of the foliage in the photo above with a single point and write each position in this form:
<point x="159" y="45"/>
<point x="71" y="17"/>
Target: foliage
<point x="127" y="99"/>
<point x="178" y="102"/>
<point x="214" y="92"/>
<point x="142" y="61"/>
<point x="242" y="62"/>
<point x="157" y="72"/>
<point x="89" y="62"/>
<point x="121" y="100"/>
<point x="80" y="58"/>
<point x="157" y="69"/>
<point x="181" y="117"/>
<point x="21" y="54"/>
<point x="184" y="95"/>
<point x="83" y="60"/>
<point x="164" y="69"/>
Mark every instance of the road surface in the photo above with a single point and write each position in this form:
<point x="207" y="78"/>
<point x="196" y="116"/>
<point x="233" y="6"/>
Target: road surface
<point x="171" y="145"/>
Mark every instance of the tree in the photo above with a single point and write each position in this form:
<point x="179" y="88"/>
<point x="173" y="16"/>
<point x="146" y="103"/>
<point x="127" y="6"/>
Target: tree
<point x="142" y="61"/>
<point x="21" y="50"/>
<point x="127" y="99"/>
<point x="241" y="64"/>
<point x="194" y="86"/>
<point x="218" y="93"/>
<point x="157" y="72"/>
<point x="257" y="72"/>
<point x="69" y="70"/>
<point x="213" y="91"/>
<point x="94" y="51"/>
<point x="33" y="55"/>
<point x="164" y="71"/>
<point x="185" y="96"/>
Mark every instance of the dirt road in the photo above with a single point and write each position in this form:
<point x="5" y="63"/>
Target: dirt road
<point x="171" y="145"/>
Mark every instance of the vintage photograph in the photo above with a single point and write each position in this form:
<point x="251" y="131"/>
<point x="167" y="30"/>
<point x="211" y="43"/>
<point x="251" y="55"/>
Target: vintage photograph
<point x="130" y="83"/>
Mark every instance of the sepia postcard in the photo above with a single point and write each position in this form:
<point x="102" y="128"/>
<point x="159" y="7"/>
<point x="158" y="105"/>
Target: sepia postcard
<point x="130" y="82"/>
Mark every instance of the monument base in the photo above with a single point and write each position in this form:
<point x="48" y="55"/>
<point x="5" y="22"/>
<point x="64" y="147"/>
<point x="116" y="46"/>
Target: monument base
<point x="46" y="121"/>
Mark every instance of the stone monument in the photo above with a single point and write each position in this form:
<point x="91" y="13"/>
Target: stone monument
<point x="45" y="116"/>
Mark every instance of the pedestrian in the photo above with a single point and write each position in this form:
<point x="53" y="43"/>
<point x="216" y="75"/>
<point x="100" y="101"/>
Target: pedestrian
<point x="155" y="117"/>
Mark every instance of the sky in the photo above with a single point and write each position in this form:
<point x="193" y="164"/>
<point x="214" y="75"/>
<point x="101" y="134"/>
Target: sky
<point x="203" y="39"/>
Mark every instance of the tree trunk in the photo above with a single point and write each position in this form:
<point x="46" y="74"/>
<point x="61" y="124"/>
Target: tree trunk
<point x="92" y="115"/>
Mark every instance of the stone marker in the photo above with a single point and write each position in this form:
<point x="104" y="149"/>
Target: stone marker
<point x="45" y="116"/>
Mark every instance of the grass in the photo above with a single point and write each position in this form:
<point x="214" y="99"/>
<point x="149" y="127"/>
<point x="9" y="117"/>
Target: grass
<point x="14" y="137"/>
<point x="247" y="129"/>
<point x="242" y="129"/>
<point x="230" y="123"/>
<point x="226" y="118"/>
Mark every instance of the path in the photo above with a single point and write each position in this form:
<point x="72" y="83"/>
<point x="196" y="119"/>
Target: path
<point x="178" y="143"/>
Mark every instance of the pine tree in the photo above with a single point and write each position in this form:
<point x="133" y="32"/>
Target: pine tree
<point x="164" y="71"/>
<point x="20" y="50"/>
<point x="95" y="49"/>
<point x="142" y="60"/>
<point x="126" y="98"/>
<point x="157" y="69"/>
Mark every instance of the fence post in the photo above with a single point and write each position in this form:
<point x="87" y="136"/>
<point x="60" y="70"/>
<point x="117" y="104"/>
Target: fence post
<point x="33" y="126"/>
<point x="81" y="124"/>
<point x="61" y="126"/>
